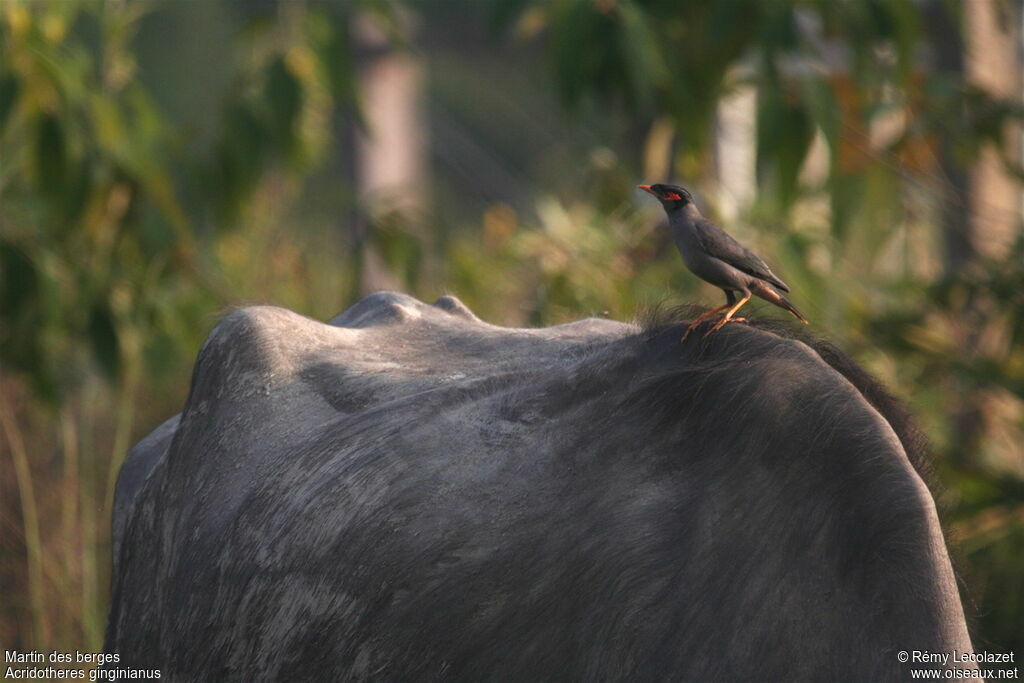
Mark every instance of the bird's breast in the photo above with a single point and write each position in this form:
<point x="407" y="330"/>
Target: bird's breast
<point x="689" y="247"/>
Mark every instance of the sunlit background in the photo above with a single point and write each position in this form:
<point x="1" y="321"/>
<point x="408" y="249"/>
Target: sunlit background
<point x="161" y="162"/>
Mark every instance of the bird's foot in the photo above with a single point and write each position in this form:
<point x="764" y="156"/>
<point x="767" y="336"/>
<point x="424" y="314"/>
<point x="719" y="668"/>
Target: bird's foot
<point x="706" y="315"/>
<point x="717" y="326"/>
<point x="721" y="323"/>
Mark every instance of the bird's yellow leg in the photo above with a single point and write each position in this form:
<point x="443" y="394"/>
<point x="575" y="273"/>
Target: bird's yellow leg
<point x="729" y="315"/>
<point x="702" y="317"/>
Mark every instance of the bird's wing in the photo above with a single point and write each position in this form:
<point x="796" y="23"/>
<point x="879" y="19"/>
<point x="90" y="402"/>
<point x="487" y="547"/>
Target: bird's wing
<point x="718" y="243"/>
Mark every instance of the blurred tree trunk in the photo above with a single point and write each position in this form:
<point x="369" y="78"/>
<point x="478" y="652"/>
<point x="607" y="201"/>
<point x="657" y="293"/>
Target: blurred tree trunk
<point x="992" y="64"/>
<point x="948" y="56"/>
<point x="982" y="210"/>
<point x="390" y="151"/>
<point x="982" y="202"/>
<point x="992" y="35"/>
<point x="736" y="151"/>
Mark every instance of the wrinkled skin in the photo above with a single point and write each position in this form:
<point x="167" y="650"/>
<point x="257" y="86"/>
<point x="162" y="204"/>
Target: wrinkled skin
<point x="409" y="493"/>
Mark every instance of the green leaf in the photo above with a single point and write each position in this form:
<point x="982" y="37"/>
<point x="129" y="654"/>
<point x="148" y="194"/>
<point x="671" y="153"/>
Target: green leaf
<point x="643" y="61"/>
<point x="240" y="159"/>
<point x="504" y="12"/>
<point x="21" y="304"/>
<point x="19" y="281"/>
<point x="8" y="96"/>
<point x="50" y="155"/>
<point x="284" y="99"/>
<point x="156" y="233"/>
<point x="104" y="339"/>
<point x="785" y="130"/>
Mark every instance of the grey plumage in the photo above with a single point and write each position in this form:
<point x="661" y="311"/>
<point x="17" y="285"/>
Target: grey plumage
<point x="719" y="244"/>
<point x="715" y="257"/>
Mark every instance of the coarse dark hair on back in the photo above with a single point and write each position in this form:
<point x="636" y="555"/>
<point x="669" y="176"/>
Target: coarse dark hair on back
<point x="612" y="503"/>
<point x="661" y="325"/>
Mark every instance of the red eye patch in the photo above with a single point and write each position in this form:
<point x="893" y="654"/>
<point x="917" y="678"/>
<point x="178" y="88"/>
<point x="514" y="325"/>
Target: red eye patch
<point x="672" y="195"/>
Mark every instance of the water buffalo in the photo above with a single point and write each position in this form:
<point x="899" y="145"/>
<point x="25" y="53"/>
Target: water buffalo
<point x="409" y="493"/>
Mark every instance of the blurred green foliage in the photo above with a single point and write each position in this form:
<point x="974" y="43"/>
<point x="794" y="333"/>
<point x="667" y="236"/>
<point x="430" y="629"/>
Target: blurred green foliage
<point x="161" y="161"/>
<point x="106" y="203"/>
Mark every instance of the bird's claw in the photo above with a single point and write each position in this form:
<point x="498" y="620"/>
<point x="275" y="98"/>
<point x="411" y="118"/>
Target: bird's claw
<point x="714" y="328"/>
<point x="721" y="323"/>
<point x="706" y="315"/>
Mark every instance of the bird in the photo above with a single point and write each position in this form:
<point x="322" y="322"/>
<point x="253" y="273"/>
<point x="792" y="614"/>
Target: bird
<point x="714" y="256"/>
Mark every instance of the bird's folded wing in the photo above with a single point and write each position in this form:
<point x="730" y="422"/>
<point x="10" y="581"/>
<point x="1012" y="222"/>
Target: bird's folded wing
<point x="719" y="244"/>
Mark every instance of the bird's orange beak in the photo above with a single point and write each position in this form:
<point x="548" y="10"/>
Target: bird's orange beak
<point x="647" y="188"/>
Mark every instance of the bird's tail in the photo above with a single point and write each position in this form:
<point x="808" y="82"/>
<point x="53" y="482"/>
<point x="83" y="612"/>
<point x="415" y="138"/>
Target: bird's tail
<point x="770" y="294"/>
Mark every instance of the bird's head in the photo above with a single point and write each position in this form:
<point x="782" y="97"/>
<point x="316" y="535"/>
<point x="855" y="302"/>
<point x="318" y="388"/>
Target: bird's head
<point x="670" y="196"/>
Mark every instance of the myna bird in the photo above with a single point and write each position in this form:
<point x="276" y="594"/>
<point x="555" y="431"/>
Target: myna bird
<point x="715" y="257"/>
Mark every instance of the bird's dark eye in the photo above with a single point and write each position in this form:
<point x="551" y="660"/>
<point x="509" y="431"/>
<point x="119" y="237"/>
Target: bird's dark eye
<point x="672" y="195"/>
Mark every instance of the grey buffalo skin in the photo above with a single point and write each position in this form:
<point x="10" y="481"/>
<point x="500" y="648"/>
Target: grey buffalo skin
<point x="409" y="493"/>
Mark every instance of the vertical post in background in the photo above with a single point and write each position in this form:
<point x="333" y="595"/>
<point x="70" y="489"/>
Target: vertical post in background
<point x="992" y="64"/>
<point x="981" y="208"/>
<point x="736" y="152"/>
<point x="947" y="59"/>
<point x="390" y="152"/>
